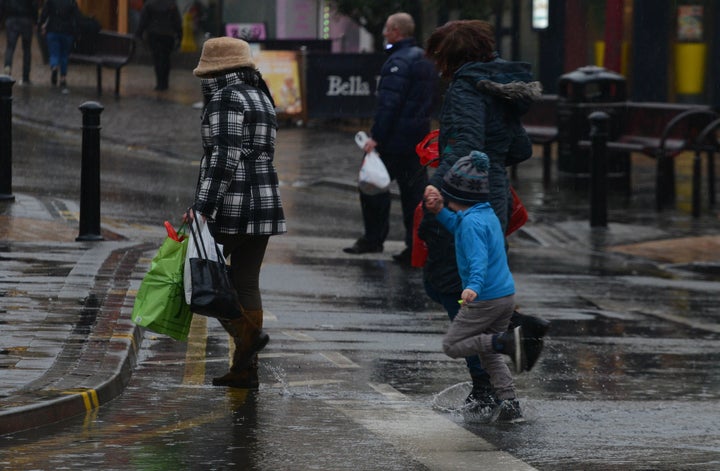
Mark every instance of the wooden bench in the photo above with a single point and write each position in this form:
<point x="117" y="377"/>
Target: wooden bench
<point x="707" y="141"/>
<point x="660" y="131"/>
<point x="650" y="127"/>
<point x="105" y="49"/>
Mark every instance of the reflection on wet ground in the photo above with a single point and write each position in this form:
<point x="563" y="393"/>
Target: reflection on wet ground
<point x="12" y="228"/>
<point x="615" y="387"/>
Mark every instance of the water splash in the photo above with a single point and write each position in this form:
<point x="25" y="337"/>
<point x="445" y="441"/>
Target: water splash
<point x="280" y="376"/>
<point x="451" y="400"/>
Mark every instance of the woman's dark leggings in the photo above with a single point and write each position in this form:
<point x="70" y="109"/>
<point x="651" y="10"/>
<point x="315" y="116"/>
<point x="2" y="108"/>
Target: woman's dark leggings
<point x="246" y="254"/>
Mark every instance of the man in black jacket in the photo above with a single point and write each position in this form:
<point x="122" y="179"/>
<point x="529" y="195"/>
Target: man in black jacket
<point x="406" y="92"/>
<point x="20" y="18"/>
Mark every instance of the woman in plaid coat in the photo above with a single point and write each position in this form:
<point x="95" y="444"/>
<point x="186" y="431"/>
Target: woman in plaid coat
<point x="237" y="190"/>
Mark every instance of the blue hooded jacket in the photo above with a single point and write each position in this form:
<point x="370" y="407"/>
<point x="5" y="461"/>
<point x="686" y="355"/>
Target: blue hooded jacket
<point x="480" y="248"/>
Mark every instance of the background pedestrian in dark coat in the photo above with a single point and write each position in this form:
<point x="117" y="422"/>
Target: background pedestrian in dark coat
<point x="160" y="19"/>
<point x="20" y="18"/>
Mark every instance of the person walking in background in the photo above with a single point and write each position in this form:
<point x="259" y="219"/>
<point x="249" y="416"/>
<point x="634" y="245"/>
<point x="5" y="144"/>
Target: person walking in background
<point x="20" y="19"/>
<point x="481" y="111"/>
<point x="237" y="190"/>
<point x="161" y="20"/>
<point x="488" y="288"/>
<point x="58" y="22"/>
<point x="134" y="9"/>
<point x="405" y="98"/>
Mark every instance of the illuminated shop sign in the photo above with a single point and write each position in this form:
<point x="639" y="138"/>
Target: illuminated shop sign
<point x="540" y="14"/>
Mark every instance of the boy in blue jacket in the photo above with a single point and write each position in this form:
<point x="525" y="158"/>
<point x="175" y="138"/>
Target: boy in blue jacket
<point x="488" y="296"/>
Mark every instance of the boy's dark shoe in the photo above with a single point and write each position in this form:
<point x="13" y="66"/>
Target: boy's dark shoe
<point x="533" y="326"/>
<point x="507" y="411"/>
<point x="482" y="396"/>
<point x="511" y="344"/>
<point x="534" y="329"/>
<point x="362" y="245"/>
<point x="478" y="401"/>
<point x="533" y="347"/>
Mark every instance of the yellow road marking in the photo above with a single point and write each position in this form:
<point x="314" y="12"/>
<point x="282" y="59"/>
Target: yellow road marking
<point x="298" y="336"/>
<point x="89" y="397"/>
<point x="70" y="215"/>
<point x="388" y="391"/>
<point x="231" y="348"/>
<point x="126" y="336"/>
<point x="309" y="382"/>
<point x="195" y="355"/>
<point x="339" y="360"/>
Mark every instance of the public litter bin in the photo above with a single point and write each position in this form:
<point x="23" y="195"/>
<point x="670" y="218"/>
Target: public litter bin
<point x="580" y="93"/>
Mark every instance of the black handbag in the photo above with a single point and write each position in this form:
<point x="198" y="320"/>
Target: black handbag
<point x="213" y="294"/>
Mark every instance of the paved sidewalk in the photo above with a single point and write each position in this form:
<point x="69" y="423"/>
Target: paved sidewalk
<point x="67" y="343"/>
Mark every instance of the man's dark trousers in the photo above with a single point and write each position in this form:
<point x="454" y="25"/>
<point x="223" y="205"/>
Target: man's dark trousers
<point x="162" y="47"/>
<point x="19" y="27"/>
<point x="411" y="178"/>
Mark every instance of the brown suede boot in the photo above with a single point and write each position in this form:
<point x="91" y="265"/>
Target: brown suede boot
<point x="249" y="339"/>
<point x="244" y="379"/>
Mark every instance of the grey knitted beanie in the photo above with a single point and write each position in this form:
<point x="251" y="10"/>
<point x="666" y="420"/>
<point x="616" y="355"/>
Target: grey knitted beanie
<point x="467" y="181"/>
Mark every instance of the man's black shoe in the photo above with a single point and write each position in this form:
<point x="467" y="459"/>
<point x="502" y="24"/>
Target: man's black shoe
<point x="363" y="246"/>
<point x="404" y="257"/>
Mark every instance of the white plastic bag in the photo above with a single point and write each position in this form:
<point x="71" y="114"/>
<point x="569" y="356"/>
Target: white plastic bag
<point x="192" y="252"/>
<point x="373" y="177"/>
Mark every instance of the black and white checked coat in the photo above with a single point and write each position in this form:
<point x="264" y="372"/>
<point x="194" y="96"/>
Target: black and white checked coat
<point x="238" y="186"/>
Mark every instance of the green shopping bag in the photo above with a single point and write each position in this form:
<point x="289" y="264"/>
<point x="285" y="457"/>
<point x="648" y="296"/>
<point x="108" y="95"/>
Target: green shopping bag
<point x="160" y="302"/>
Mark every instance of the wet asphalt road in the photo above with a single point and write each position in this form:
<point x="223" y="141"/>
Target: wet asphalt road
<point x="613" y="389"/>
<point x="629" y="378"/>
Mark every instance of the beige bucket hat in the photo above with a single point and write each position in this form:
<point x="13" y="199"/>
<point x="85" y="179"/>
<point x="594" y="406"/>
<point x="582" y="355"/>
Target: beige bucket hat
<point x="220" y="54"/>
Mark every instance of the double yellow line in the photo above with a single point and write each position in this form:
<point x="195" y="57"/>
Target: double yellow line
<point x="89" y="397"/>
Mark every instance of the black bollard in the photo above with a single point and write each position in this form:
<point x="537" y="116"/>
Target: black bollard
<point x="6" y="84"/>
<point x="598" y="168"/>
<point x="90" y="173"/>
